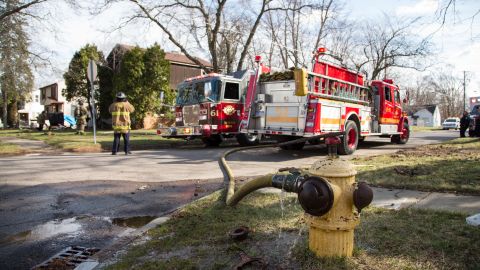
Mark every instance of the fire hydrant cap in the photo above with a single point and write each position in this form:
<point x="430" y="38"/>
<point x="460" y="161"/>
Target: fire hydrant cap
<point x="332" y="168"/>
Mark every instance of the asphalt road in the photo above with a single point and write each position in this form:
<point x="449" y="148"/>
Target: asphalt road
<point x="49" y="202"/>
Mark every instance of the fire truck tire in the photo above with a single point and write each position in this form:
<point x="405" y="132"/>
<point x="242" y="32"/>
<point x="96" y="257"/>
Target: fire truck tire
<point x="247" y="139"/>
<point x="350" y="140"/>
<point x="471" y="133"/>
<point x="212" y="141"/>
<point x="402" y="139"/>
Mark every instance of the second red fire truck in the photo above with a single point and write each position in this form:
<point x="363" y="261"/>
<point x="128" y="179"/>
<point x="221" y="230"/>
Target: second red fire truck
<point x="330" y="98"/>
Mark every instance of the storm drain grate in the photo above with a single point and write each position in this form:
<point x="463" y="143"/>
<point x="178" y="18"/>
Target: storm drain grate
<point x="67" y="259"/>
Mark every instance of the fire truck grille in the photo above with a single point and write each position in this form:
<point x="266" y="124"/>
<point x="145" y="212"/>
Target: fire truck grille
<point x="190" y="115"/>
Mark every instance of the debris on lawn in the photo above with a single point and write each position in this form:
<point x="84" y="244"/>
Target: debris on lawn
<point x="240" y="233"/>
<point x="474" y="220"/>
<point x="143" y="187"/>
<point x="406" y="171"/>
<point x="258" y="262"/>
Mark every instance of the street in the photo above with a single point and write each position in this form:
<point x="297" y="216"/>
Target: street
<point x="49" y="202"/>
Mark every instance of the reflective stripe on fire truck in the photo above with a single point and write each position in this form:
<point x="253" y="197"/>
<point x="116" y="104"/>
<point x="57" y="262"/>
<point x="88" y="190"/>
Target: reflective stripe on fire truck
<point x="389" y="121"/>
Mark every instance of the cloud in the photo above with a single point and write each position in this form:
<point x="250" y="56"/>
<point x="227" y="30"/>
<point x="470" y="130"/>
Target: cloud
<point x="423" y="7"/>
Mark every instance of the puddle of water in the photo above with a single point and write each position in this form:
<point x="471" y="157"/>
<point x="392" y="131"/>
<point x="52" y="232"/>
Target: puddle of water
<point x="69" y="227"/>
<point x="133" y="222"/>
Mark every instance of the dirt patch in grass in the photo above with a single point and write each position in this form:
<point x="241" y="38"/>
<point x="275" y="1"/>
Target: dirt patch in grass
<point x="448" y="167"/>
<point x="197" y="238"/>
<point x="9" y="149"/>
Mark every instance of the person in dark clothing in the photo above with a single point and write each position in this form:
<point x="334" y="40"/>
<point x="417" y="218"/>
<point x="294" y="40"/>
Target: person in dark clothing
<point x="464" y="123"/>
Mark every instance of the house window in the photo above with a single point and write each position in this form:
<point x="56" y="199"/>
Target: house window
<point x="36" y="98"/>
<point x="53" y="92"/>
<point x="231" y="91"/>
<point x="43" y="93"/>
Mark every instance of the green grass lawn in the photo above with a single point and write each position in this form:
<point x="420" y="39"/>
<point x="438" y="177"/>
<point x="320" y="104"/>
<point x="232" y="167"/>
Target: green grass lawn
<point x="197" y="238"/>
<point x="10" y="149"/>
<point x="450" y="167"/>
<point x="417" y="128"/>
<point x="67" y="140"/>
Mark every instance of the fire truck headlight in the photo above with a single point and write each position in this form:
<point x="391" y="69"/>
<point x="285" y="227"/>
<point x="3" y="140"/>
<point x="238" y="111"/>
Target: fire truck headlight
<point x="203" y="117"/>
<point x="178" y="119"/>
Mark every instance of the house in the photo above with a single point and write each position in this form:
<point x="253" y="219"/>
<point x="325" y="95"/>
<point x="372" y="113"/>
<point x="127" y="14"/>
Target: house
<point x="181" y="67"/>
<point x="55" y="103"/>
<point x="425" y="115"/>
<point x="28" y="112"/>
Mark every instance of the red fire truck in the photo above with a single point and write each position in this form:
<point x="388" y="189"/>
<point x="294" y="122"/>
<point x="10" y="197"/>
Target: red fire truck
<point x="330" y="98"/>
<point x="209" y="107"/>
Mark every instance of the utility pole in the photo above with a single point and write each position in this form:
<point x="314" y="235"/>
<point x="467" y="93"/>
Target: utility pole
<point x="5" y="101"/>
<point x="464" y="97"/>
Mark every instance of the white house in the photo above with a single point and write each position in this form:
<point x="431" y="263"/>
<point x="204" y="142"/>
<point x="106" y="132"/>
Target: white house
<point x="53" y="100"/>
<point x="28" y="112"/>
<point x="425" y="116"/>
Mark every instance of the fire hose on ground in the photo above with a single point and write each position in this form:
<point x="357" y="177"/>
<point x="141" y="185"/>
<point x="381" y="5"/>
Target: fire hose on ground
<point x="232" y="197"/>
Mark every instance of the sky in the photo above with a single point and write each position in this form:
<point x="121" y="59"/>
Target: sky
<point x="457" y="43"/>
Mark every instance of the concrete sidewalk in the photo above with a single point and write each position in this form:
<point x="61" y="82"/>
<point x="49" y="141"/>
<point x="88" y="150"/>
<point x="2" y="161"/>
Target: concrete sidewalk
<point x="401" y="198"/>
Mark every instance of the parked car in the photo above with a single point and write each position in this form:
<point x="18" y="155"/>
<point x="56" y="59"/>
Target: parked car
<point x="452" y="122"/>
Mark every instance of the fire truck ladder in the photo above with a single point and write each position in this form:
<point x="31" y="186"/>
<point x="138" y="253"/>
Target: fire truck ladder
<point x="337" y="89"/>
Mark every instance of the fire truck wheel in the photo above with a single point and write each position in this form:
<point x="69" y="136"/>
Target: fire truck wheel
<point x="247" y="139"/>
<point x="471" y="133"/>
<point x="350" y="140"/>
<point x="212" y="141"/>
<point x="402" y="139"/>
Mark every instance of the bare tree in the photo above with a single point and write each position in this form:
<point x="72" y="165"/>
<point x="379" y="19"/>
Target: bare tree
<point x="449" y="93"/>
<point x="440" y="87"/>
<point x="19" y="8"/>
<point x="208" y="23"/>
<point x="390" y="44"/>
<point x="447" y="7"/>
<point x="296" y="32"/>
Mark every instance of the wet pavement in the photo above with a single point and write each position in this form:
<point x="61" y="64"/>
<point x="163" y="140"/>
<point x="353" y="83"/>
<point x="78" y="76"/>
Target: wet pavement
<point x="39" y="221"/>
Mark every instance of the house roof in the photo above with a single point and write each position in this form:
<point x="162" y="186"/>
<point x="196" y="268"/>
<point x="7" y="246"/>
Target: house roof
<point x="415" y="108"/>
<point x="173" y="57"/>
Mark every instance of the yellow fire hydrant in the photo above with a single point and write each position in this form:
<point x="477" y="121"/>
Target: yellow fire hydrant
<point x="328" y="193"/>
<point x="333" y="202"/>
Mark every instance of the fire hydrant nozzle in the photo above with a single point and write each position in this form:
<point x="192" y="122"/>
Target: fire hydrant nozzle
<point x="332" y="143"/>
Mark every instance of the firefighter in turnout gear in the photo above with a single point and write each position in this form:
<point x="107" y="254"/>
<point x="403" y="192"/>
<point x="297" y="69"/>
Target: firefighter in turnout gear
<point x="81" y="115"/>
<point x="120" y="111"/>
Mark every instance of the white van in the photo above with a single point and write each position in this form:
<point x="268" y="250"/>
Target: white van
<point x="452" y="122"/>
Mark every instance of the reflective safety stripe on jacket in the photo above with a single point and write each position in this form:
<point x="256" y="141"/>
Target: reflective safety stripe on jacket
<point x="121" y="116"/>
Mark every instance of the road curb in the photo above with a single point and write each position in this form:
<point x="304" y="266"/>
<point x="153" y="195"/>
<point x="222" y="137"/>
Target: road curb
<point x="111" y="254"/>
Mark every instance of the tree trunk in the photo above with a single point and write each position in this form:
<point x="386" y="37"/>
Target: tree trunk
<point x="13" y="114"/>
<point x="5" y="104"/>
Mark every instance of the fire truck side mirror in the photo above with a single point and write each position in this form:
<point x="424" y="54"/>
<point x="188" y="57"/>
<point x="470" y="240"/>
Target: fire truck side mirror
<point x="301" y="81"/>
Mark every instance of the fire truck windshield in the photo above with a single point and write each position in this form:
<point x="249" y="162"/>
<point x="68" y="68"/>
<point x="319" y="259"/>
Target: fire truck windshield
<point x="195" y="92"/>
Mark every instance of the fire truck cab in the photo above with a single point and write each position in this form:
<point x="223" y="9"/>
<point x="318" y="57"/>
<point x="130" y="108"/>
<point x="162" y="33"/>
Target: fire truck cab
<point x="209" y="107"/>
<point x="328" y="99"/>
